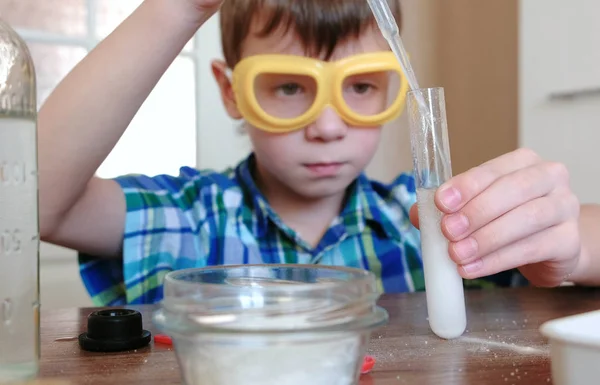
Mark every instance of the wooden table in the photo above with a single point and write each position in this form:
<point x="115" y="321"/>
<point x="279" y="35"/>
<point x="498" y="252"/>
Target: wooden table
<point x="502" y="344"/>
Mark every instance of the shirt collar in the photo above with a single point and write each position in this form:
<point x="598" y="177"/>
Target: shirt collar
<point x="253" y="195"/>
<point x="365" y="208"/>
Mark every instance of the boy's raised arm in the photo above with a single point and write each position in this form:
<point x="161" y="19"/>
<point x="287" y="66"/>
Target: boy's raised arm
<point x="87" y="113"/>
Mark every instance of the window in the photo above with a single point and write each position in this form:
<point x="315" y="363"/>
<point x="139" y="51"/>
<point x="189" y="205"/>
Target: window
<point x="60" y="33"/>
<point x="182" y="123"/>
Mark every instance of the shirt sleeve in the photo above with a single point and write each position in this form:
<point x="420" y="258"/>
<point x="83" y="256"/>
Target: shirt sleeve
<point x="163" y="214"/>
<point x="402" y="196"/>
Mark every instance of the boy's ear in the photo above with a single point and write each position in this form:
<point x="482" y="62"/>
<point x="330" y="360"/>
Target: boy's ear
<point x="219" y="70"/>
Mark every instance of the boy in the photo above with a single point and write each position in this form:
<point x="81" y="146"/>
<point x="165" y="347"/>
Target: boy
<point x="301" y="196"/>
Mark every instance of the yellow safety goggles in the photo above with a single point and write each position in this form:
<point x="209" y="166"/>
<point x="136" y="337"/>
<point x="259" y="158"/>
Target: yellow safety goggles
<point x="282" y="93"/>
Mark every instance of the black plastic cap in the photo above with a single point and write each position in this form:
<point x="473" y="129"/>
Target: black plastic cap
<point x="113" y="331"/>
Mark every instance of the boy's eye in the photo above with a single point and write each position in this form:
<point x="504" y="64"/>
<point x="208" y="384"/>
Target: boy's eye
<point x="361" y="88"/>
<point x="289" y="89"/>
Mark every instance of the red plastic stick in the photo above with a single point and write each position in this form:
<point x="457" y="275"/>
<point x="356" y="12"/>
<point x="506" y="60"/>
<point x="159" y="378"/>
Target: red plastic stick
<point x="163" y="339"/>
<point x="368" y="364"/>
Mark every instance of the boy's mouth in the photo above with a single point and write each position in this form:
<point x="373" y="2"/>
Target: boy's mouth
<point x="324" y="169"/>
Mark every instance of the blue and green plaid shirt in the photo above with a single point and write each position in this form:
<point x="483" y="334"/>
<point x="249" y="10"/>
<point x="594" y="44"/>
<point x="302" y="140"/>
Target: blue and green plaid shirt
<point x="204" y="218"/>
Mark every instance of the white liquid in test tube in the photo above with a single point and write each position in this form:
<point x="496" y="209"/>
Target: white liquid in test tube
<point x="431" y="157"/>
<point x="444" y="286"/>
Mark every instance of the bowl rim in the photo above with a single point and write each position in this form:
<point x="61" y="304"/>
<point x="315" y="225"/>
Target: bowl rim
<point x="360" y="286"/>
<point x="571" y="329"/>
<point x="359" y="276"/>
<point x="368" y="322"/>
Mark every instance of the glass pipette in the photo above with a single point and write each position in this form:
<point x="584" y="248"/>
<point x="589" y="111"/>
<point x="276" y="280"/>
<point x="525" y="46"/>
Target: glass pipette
<point x="390" y="31"/>
<point x="389" y="28"/>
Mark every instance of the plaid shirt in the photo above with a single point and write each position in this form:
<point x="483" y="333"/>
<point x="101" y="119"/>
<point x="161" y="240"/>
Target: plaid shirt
<point x="204" y="218"/>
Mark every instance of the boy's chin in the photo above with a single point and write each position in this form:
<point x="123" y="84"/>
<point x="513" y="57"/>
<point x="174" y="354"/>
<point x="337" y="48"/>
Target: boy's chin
<point x="315" y="190"/>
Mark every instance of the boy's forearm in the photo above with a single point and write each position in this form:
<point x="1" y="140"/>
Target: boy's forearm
<point x="87" y="113"/>
<point x="588" y="271"/>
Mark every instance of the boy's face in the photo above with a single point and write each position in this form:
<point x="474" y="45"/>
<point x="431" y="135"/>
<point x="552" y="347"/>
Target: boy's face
<point x="324" y="157"/>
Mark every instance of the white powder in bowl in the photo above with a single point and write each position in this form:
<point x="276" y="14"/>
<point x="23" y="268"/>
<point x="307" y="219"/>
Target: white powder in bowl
<point x="283" y="360"/>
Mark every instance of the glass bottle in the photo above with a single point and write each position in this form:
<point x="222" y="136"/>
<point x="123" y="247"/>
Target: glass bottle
<point x="19" y="231"/>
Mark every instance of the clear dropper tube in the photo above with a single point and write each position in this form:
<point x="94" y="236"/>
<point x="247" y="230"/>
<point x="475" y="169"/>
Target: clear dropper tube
<point x="432" y="167"/>
<point x="391" y="32"/>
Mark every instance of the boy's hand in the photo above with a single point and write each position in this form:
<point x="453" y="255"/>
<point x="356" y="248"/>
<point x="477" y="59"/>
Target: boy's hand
<point x="198" y="10"/>
<point x="206" y="5"/>
<point x="515" y="211"/>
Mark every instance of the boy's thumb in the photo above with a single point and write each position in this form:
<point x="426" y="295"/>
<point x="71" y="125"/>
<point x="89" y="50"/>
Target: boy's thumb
<point x="414" y="215"/>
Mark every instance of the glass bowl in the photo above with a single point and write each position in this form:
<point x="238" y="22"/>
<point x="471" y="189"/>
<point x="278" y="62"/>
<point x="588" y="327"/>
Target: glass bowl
<point x="270" y="324"/>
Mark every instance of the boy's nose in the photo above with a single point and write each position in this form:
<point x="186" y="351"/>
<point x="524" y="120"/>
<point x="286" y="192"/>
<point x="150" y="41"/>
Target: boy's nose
<point x="328" y="127"/>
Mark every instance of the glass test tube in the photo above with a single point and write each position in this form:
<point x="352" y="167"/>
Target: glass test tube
<point x="432" y="168"/>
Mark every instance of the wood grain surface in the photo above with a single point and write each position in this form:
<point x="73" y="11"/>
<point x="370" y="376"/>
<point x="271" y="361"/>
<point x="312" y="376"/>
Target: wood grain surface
<point x="502" y="344"/>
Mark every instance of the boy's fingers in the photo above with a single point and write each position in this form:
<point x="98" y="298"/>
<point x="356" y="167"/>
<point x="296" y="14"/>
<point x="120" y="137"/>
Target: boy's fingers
<point x="529" y="252"/>
<point x="519" y="223"/>
<point x="457" y="192"/>
<point x="507" y="193"/>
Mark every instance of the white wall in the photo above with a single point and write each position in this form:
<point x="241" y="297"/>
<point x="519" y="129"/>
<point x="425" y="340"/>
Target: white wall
<point x="60" y="282"/>
<point x="394" y="154"/>
<point x="214" y="125"/>
<point x="559" y="91"/>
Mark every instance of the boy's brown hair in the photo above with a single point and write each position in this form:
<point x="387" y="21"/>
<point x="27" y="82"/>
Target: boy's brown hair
<point x="319" y="24"/>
